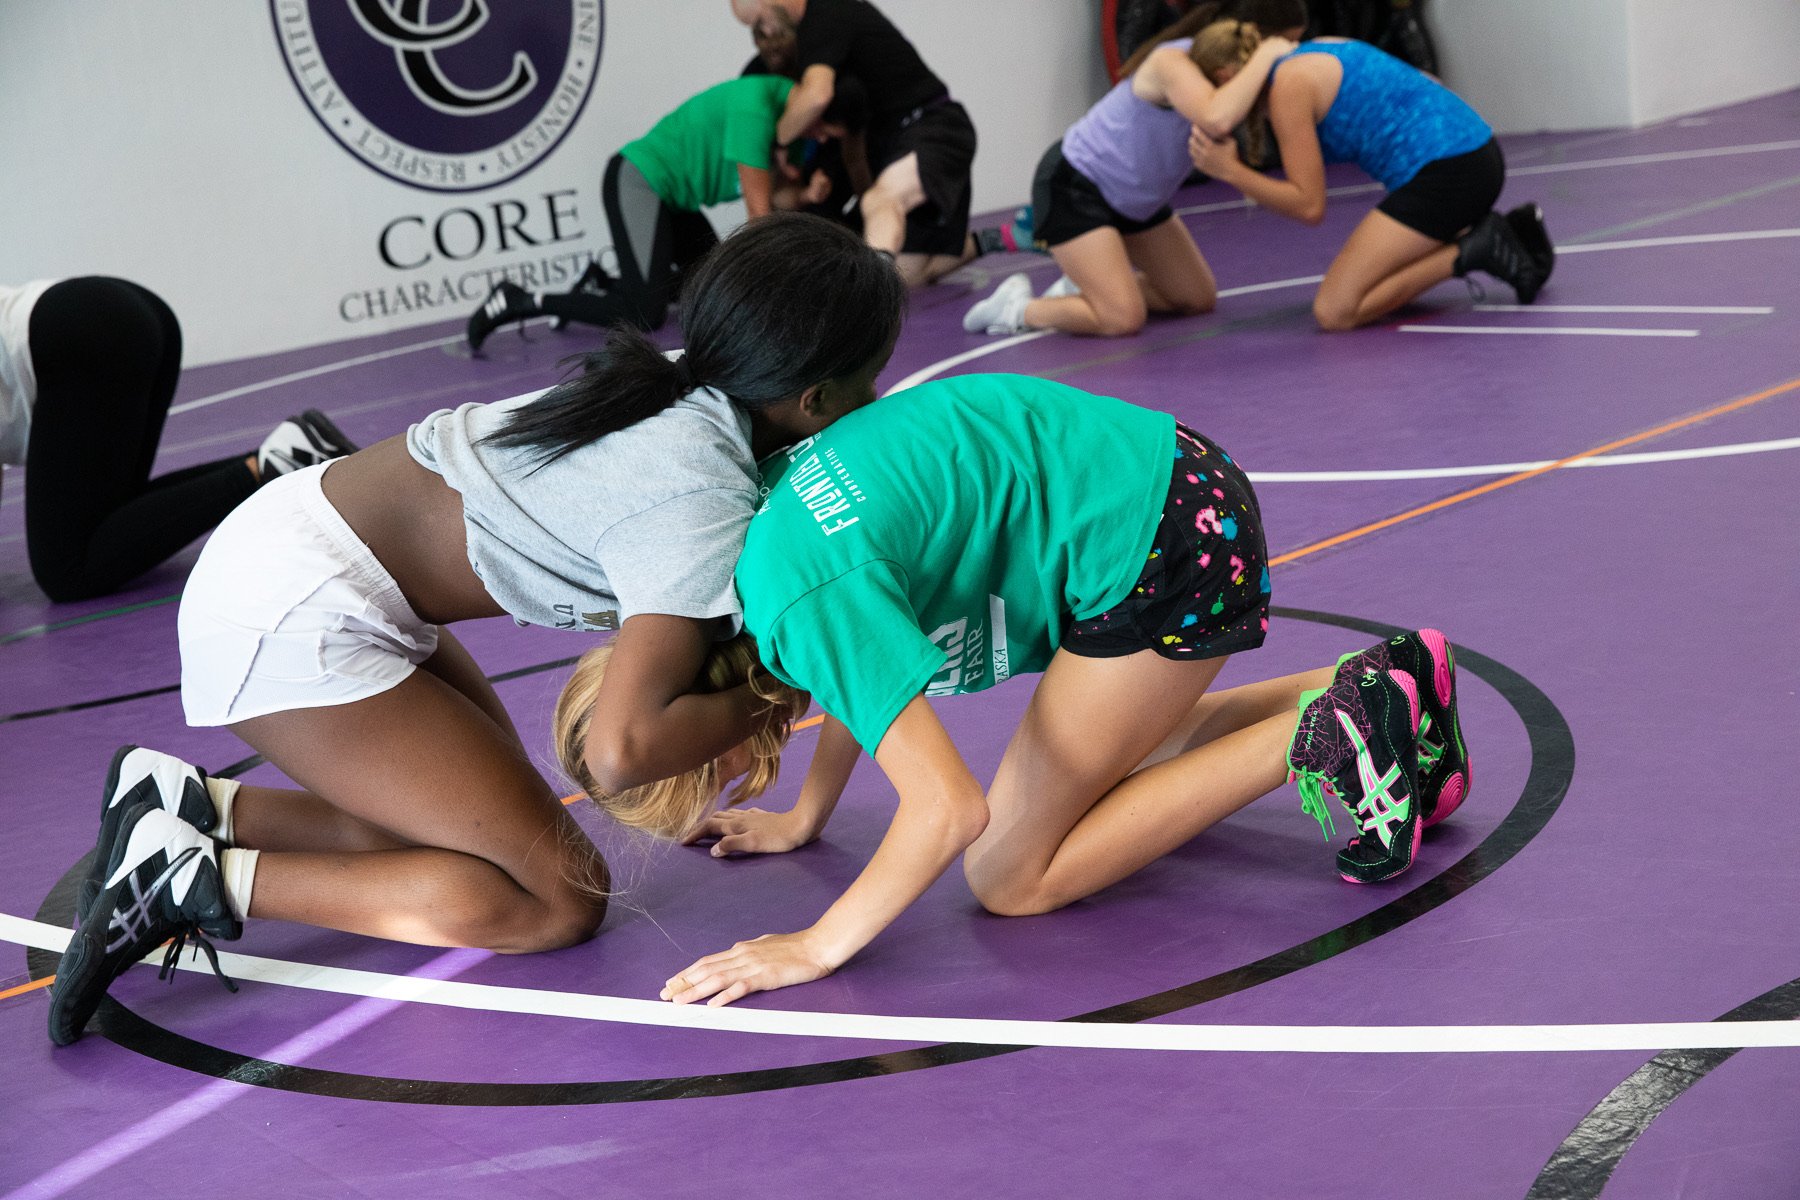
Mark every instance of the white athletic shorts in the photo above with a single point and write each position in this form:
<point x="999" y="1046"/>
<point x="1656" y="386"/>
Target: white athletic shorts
<point x="287" y="608"/>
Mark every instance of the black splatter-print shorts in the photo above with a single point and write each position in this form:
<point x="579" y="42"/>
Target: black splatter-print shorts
<point x="1204" y="592"/>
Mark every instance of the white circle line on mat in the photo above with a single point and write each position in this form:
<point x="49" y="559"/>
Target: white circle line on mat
<point x="1266" y="1039"/>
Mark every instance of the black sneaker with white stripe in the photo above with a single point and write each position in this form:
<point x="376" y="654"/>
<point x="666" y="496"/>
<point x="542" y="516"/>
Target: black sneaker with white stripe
<point x="507" y="302"/>
<point x="162" y="883"/>
<point x="303" y="440"/>
<point x="138" y="775"/>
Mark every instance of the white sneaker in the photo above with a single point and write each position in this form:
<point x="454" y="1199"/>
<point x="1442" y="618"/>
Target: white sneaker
<point x="1004" y="311"/>
<point x="303" y="440"/>
<point x="1064" y="286"/>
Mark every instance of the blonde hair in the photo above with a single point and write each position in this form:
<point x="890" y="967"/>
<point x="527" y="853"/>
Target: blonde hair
<point x="1232" y="44"/>
<point x="1269" y="16"/>
<point x="1224" y="44"/>
<point x="670" y="807"/>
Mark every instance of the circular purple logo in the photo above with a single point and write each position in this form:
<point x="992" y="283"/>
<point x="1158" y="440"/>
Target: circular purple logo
<point x="451" y="95"/>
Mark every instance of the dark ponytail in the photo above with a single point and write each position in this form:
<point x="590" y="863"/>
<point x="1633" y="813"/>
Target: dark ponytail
<point x="1269" y="16"/>
<point x="787" y="302"/>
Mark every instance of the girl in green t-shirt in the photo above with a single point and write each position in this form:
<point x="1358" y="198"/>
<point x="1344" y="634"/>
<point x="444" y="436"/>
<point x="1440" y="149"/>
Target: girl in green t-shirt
<point x="716" y="147"/>
<point x="983" y="526"/>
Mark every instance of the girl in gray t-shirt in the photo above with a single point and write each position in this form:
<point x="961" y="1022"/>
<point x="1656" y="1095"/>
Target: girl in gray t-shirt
<point x="313" y="628"/>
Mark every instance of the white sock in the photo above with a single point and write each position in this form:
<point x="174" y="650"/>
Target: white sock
<point x="1004" y="311"/>
<point x="237" y="871"/>
<point x="1064" y="286"/>
<point x="224" y="793"/>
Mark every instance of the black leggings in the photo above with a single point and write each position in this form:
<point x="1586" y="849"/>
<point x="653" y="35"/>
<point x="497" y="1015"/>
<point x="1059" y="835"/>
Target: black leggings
<point x="107" y="353"/>
<point x="655" y="243"/>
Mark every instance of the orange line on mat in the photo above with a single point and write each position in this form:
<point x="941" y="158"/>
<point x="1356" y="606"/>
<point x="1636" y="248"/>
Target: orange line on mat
<point x="567" y="800"/>
<point x="1522" y="476"/>
<point x="35" y="984"/>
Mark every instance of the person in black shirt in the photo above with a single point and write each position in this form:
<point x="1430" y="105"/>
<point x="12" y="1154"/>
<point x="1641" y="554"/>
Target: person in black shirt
<point x="920" y="142"/>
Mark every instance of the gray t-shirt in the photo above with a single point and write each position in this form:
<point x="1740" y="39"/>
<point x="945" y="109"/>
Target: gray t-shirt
<point x="650" y="519"/>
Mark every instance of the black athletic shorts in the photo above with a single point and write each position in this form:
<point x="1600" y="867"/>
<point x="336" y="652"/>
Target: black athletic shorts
<point x="1449" y="195"/>
<point x="1204" y="591"/>
<point x="941" y="134"/>
<point x="1066" y="204"/>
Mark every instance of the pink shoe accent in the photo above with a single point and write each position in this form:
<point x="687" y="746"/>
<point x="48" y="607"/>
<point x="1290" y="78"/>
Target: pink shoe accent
<point x="1407" y="684"/>
<point x="1454" y="789"/>
<point x="1435" y="642"/>
<point x="1417" y="839"/>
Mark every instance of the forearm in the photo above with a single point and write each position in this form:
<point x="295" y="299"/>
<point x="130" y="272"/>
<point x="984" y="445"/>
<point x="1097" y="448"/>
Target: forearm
<point x="757" y="185"/>
<point x="919" y="847"/>
<point x="806" y="104"/>
<point x="832" y="762"/>
<point x="1232" y="102"/>
<point x="656" y="743"/>
<point x="1278" y="195"/>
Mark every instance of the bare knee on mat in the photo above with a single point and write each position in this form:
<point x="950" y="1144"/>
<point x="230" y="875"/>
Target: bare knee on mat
<point x="517" y="922"/>
<point x="1119" y="320"/>
<point x="1007" y="897"/>
<point x="1334" y="315"/>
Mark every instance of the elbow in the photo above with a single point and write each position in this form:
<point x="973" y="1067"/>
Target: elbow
<point x="617" y="763"/>
<point x="1218" y="131"/>
<point x="962" y="820"/>
<point x="1312" y="214"/>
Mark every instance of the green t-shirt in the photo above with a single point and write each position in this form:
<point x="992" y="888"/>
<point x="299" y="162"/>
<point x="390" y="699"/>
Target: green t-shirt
<point x="691" y="156"/>
<point x="941" y="539"/>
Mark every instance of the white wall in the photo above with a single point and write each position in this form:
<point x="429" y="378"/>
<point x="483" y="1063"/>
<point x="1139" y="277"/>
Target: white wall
<point x="1531" y="65"/>
<point x="166" y="142"/>
<point x="1686" y="57"/>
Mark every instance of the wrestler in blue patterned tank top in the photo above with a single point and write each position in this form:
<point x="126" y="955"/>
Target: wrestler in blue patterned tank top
<point x="1390" y="118"/>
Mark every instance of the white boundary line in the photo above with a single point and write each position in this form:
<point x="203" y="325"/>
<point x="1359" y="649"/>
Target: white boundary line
<point x="1589" y="164"/>
<point x="313" y="373"/>
<point x="1680" y="239"/>
<point x="1351" y="189"/>
<point x="1266" y="1039"/>
<point x="1608" y="460"/>
<point x="1638" y="160"/>
<point x="928" y="372"/>
<point x="957" y="360"/>
<point x="1562" y="330"/>
<point x="1723" y="310"/>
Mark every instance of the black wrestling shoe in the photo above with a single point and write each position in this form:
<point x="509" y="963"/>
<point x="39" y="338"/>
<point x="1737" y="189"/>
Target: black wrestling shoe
<point x="1527" y="222"/>
<point x="507" y="302"/>
<point x="162" y="883"/>
<point x="1358" y="740"/>
<point x="303" y="440"/>
<point x="138" y="776"/>
<point x="593" y="282"/>
<point x="1492" y="246"/>
<point x="1427" y="656"/>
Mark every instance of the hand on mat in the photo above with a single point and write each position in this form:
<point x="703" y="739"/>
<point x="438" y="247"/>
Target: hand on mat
<point x="753" y="831"/>
<point x="775" y="960"/>
<point x="1214" y="156"/>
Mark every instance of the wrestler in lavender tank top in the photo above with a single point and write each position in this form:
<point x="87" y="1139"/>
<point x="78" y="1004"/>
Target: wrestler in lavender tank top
<point x="1133" y="151"/>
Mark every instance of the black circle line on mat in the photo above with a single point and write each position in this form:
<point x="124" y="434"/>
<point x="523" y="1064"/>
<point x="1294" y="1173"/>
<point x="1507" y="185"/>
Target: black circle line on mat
<point x="1584" y="1163"/>
<point x="31" y="631"/>
<point x="166" y="689"/>
<point x="1552" y="765"/>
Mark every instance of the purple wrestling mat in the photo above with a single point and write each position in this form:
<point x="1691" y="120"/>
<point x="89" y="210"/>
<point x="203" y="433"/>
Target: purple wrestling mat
<point x="1553" y="1002"/>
